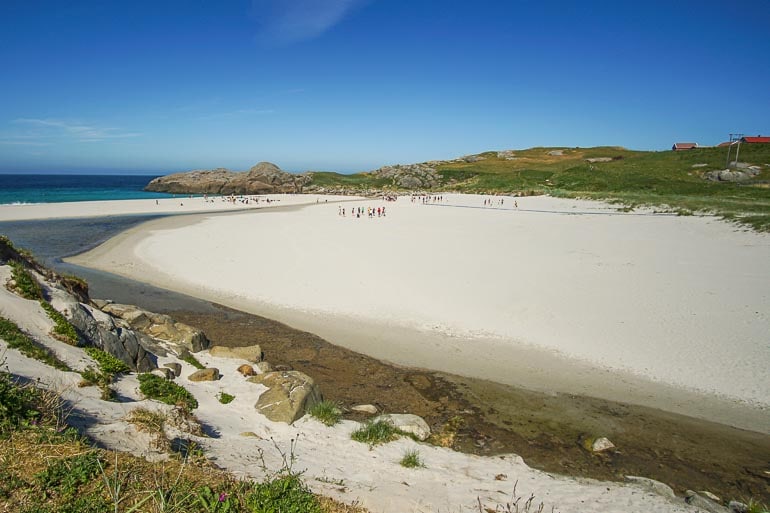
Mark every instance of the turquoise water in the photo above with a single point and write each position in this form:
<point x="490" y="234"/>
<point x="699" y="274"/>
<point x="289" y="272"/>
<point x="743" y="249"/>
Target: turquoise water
<point x="15" y="189"/>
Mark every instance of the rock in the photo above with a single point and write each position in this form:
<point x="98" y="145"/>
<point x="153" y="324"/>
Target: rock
<point x="506" y="154"/>
<point x="164" y="372"/>
<point x="264" y="367"/>
<point x="101" y="331"/>
<point x="472" y="158"/>
<point x="101" y="303"/>
<point x="599" y="159"/>
<point x="710" y="496"/>
<point x="727" y="175"/>
<point x="738" y="507"/>
<point x="175" y="367"/>
<point x="262" y="178"/>
<point x="652" y="485"/>
<point x="407" y="423"/>
<point x="209" y="374"/>
<point x="598" y="445"/>
<point x="169" y="334"/>
<point x="288" y="395"/>
<point x="699" y="165"/>
<point x="556" y="153"/>
<point x="365" y="408"/>
<point x="247" y="370"/>
<point x="699" y="501"/>
<point x="249" y="353"/>
<point x="409" y="176"/>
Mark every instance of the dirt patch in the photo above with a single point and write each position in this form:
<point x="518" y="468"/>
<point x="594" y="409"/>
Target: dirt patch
<point x="486" y="418"/>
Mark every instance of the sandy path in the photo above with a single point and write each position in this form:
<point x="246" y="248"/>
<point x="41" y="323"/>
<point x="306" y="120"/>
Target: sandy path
<point x="552" y="295"/>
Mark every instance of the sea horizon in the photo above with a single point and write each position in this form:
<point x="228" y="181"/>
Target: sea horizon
<point x="27" y="189"/>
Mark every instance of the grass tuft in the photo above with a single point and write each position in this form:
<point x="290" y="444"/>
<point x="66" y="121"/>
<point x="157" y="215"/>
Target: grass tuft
<point x="26" y="285"/>
<point x="17" y="339"/>
<point x="62" y="329"/>
<point x="412" y="459"/>
<point x="107" y="363"/>
<point x="189" y="358"/>
<point x="155" y="387"/>
<point x="225" y="398"/>
<point x="327" y="412"/>
<point x="374" y="433"/>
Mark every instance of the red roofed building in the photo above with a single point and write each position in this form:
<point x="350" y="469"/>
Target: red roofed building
<point x="684" y="146"/>
<point x="757" y="139"/>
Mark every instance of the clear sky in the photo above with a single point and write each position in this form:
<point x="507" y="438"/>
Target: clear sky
<point x="349" y="85"/>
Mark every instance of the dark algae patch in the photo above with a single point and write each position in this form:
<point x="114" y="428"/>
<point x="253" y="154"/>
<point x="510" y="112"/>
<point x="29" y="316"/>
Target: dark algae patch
<point x="486" y="418"/>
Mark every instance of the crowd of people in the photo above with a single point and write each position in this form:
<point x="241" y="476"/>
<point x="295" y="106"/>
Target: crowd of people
<point x="359" y="212"/>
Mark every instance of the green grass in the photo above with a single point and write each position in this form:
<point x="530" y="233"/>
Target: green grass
<point x="327" y="412"/>
<point x="635" y="178"/>
<point x="189" y="358"/>
<point x="412" y="459"/>
<point x="62" y="329"/>
<point x="107" y="363"/>
<point x="160" y="389"/>
<point x="17" y="405"/>
<point x="17" y="339"/>
<point x="283" y="494"/>
<point x="374" y="433"/>
<point x="225" y="398"/>
<point x="26" y="285"/>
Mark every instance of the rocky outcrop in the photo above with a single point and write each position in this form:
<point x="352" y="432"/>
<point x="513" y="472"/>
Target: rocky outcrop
<point x="100" y="330"/>
<point x="652" y="485"/>
<point x="407" y="423"/>
<point x="289" y="394"/>
<point x="166" y="334"/>
<point x="728" y="175"/>
<point x="409" y="176"/>
<point x="263" y="178"/>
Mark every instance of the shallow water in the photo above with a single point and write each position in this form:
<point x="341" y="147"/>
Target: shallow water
<point x="51" y="240"/>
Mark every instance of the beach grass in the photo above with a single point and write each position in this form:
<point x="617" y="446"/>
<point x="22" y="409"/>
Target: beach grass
<point x="375" y="433"/>
<point x="160" y="389"/>
<point x="192" y="360"/>
<point x="62" y="329"/>
<point x="327" y="412"/>
<point x="17" y="339"/>
<point x="411" y="459"/>
<point x="225" y="398"/>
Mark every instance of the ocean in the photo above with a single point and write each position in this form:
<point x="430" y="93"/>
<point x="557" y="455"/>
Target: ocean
<point x="19" y="189"/>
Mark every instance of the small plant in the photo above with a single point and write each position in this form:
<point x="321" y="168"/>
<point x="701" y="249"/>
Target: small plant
<point x="17" y="339"/>
<point x="412" y="459"/>
<point x="327" y="412"/>
<point x="285" y="493"/>
<point x="155" y="387"/>
<point x="17" y="405"/>
<point x="225" y="398"/>
<point x="66" y="475"/>
<point x="374" y="433"/>
<point x="212" y="502"/>
<point x="756" y="507"/>
<point x="26" y="285"/>
<point x="62" y="329"/>
<point x="107" y="363"/>
<point x="192" y="360"/>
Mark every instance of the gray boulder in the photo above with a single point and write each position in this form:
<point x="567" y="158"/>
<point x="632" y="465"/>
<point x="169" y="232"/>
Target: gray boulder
<point x="101" y="331"/>
<point x="166" y="333"/>
<point x="652" y="485"/>
<point x="701" y="502"/>
<point x="407" y="423"/>
<point x="289" y="394"/>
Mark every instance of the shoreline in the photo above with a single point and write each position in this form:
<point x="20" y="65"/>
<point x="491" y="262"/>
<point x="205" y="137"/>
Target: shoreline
<point x="521" y="365"/>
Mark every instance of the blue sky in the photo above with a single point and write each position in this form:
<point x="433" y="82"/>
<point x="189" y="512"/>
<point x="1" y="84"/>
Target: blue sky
<point x="350" y="85"/>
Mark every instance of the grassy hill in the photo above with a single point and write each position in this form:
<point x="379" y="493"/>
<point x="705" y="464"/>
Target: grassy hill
<point x="667" y="179"/>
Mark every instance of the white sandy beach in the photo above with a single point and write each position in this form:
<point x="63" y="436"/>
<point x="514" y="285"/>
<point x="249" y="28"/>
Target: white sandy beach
<point x="552" y="295"/>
